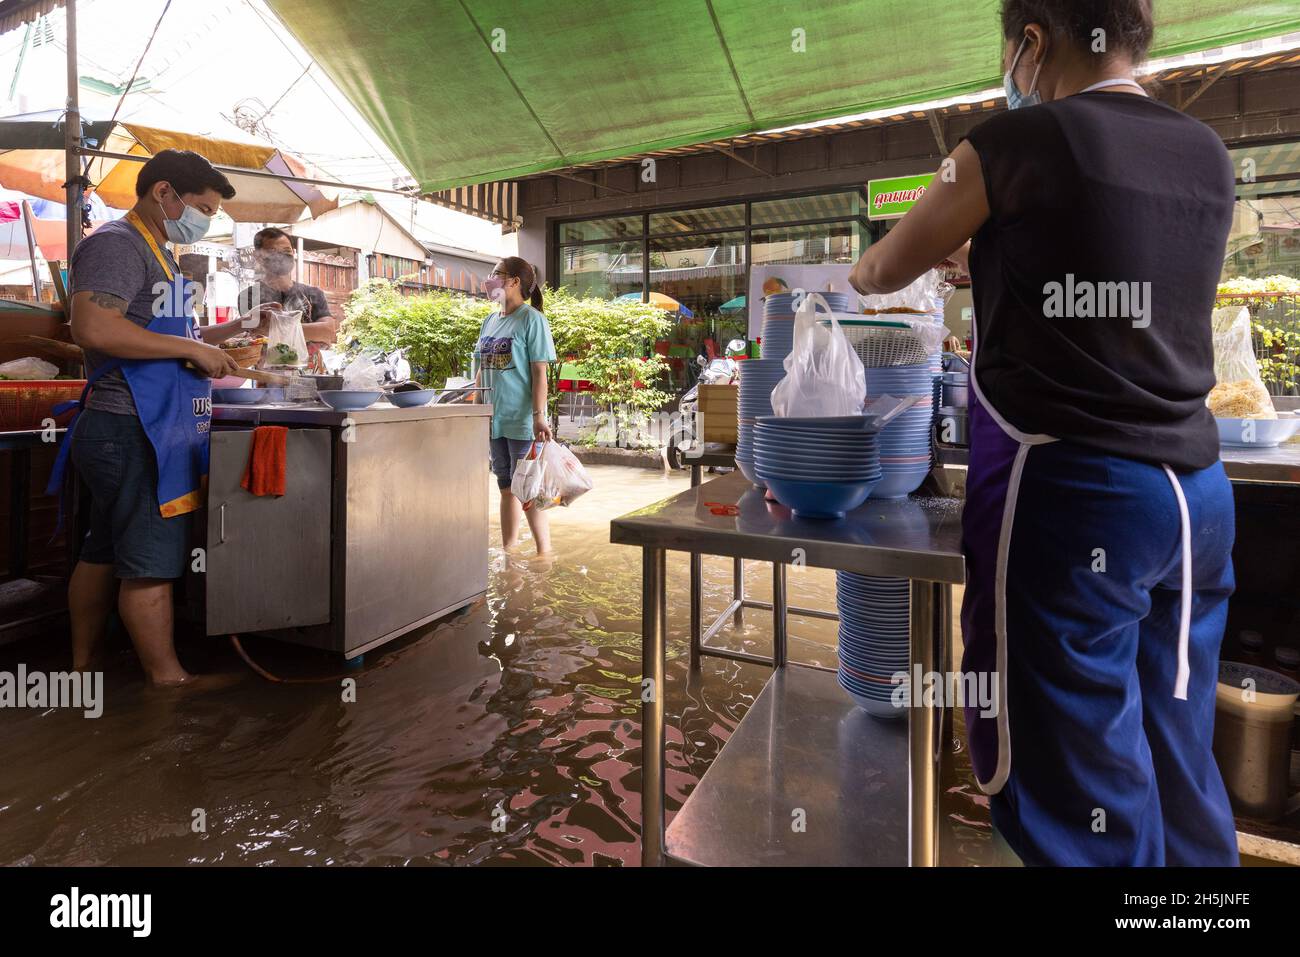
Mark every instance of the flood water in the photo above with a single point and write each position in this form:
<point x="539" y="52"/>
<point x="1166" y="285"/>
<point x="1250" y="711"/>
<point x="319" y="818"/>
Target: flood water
<point x="508" y="734"/>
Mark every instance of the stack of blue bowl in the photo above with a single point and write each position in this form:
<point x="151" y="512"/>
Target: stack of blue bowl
<point x="817" y="467"/>
<point x="874" y="640"/>
<point x="778" y="321"/>
<point x="904" y="442"/>
<point x="758" y="377"/>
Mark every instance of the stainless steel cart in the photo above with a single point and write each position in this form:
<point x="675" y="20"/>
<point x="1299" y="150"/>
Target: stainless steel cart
<point x="383" y="527"/>
<point x="867" y="789"/>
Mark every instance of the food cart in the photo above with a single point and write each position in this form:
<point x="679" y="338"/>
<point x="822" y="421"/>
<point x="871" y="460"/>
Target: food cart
<point x="382" y="528"/>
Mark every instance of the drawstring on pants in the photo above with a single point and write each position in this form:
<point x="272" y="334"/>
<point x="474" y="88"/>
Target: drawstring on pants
<point x="1185" y="616"/>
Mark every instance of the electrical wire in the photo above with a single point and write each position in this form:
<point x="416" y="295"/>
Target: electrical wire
<point x="276" y="679"/>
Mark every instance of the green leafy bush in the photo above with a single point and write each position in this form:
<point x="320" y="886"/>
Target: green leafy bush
<point x="438" y="329"/>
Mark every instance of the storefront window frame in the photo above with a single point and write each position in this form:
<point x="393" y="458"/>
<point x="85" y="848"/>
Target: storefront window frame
<point x="865" y="229"/>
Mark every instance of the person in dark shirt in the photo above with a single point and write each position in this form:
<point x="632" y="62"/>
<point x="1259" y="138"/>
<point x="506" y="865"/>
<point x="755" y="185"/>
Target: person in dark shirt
<point x="275" y="260"/>
<point x="1098" y="523"/>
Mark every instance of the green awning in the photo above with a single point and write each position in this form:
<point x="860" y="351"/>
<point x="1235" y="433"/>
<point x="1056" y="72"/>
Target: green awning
<point x="466" y="91"/>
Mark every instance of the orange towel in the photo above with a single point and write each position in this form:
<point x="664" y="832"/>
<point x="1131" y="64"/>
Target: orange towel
<point x="264" y="473"/>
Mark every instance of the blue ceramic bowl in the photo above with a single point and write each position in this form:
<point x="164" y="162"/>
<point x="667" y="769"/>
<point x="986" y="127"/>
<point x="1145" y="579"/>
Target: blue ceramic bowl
<point x="238" y="396"/>
<point x="803" y="425"/>
<point x="899" y="484"/>
<point x="349" y="400"/>
<point x="820" y="499"/>
<point x="409" y="400"/>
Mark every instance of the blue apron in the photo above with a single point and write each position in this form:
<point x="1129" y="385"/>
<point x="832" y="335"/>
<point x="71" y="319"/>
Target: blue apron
<point x="174" y="404"/>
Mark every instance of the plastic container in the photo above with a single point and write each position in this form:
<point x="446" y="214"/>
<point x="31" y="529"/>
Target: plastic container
<point x="1253" y="718"/>
<point x="25" y="404"/>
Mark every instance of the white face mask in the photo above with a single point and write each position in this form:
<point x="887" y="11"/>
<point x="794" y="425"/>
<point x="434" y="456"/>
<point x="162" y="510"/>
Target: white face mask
<point x="190" y="227"/>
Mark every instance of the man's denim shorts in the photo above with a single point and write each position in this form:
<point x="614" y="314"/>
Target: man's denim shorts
<point x="115" y="459"/>
<point x="504" y="454"/>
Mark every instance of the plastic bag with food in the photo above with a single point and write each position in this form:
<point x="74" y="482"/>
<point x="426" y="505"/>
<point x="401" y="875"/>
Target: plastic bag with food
<point x="1239" y="392"/>
<point x="285" y="343"/>
<point x="926" y="296"/>
<point x="823" y="375"/>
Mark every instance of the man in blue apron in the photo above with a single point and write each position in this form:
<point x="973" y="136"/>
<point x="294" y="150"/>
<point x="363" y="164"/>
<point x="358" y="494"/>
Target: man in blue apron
<point x="140" y="441"/>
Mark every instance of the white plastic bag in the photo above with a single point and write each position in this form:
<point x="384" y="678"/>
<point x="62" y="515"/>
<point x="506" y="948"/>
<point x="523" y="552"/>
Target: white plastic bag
<point x="30" y="368"/>
<point x="1234" y="352"/>
<point x="549" y="475"/>
<point x="526" y="484"/>
<point x="823" y="375"/>
<point x="363" y="374"/>
<point x="285" y="343"/>
<point x="563" y="473"/>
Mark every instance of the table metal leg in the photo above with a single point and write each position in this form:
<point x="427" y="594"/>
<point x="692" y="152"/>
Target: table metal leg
<point x="779" y="617"/>
<point x="738" y="591"/>
<point x="653" y="642"/>
<point x="697" y="587"/>
<point x="928" y="620"/>
<point x="697" y="609"/>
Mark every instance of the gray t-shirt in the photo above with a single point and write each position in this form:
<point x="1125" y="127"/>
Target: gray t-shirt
<point x="115" y="259"/>
<point x="308" y="300"/>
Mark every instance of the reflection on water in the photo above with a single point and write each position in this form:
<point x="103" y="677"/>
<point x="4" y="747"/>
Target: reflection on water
<point x="507" y="734"/>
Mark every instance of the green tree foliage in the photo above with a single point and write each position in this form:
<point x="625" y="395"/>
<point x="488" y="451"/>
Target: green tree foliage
<point x="611" y="340"/>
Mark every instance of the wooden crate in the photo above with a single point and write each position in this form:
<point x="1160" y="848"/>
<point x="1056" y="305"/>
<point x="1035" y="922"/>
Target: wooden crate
<point x="717" y="413"/>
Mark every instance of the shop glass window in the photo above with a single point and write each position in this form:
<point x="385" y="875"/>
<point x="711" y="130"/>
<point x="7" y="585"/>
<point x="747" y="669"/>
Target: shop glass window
<point x="694" y="220"/>
<point x="811" y="245"/>
<point x="615" y="227"/>
<point x="800" y="208"/>
<point x="707" y="274"/>
<point x="603" y="270"/>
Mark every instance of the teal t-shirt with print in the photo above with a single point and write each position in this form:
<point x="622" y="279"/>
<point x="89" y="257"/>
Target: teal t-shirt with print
<point x="507" y="345"/>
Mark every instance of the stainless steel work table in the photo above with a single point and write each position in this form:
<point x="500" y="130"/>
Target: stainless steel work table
<point x="863" y="784"/>
<point x="1279" y="466"/>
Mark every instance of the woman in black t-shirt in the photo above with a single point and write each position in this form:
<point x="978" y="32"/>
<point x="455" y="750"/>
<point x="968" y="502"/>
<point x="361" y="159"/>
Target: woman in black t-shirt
<point x="1098" y="524"/>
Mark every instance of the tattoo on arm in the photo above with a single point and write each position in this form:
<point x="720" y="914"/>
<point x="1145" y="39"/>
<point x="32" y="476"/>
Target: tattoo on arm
<point x="109" y="301"/>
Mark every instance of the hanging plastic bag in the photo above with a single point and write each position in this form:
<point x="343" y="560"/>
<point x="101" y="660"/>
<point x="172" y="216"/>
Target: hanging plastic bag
<point x="286" y="346"/>
<point x="549" y="475"/>
<point x="823" y="375"/>
<point x="563" y="475"/>
<point x="526" y="483"/>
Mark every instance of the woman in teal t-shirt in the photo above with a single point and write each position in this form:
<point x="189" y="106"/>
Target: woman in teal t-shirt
<point x="514" y="349"/>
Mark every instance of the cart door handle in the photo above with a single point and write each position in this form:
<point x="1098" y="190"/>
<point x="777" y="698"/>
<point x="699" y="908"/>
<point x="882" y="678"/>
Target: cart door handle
<point x="221" y="535"/>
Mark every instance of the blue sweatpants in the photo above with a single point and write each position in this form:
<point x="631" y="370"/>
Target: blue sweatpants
<point x="1074" y="597"/>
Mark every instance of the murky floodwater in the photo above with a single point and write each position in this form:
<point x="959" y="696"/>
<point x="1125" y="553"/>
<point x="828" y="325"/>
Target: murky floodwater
<point x="508" y="734"/>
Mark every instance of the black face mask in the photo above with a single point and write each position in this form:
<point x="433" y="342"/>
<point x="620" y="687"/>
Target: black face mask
<point x="275" y="263"/>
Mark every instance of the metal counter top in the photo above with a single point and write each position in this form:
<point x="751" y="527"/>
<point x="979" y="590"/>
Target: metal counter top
<point x="320" y="414"/>
<point x="1276" y="466"/>
<point x="909" y="538"/>
<point x="1279" y="466"/>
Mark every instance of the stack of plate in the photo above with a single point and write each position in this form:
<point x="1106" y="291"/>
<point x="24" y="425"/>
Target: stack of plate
<point x="874" y="640"/>
<point x="781" y="304"/>
<point x="778" y="321"/>
<point x="817" y="467"/>
<point x="758" y="377"/>
<point x="904" y="442"/>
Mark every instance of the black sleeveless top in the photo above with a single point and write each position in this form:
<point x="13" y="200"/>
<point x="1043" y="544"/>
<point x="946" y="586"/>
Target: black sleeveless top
<point x="1095" y="274"/>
